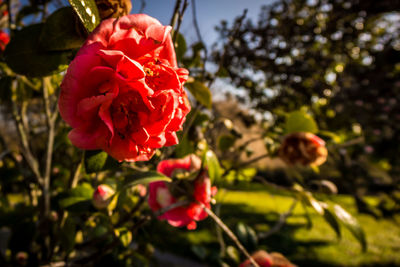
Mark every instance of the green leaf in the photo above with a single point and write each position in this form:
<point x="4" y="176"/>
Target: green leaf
<point x="95" y="160"/>
<point x="246" y="235"/>
<point x="61" y="31"/>
<point x="331" y="219"/>
<point x="87" y="12"/>
<point x="125" y="236"/>
<point x="24" y="56"/>
<point x="83" y="190"/>
<point x="299" y="121"/>
<point x="226" y="141"/>
<point x="146" y="178"/>
<point x="180" y="47"/>
<point x="233" y="254"/>
<point x="200" y="251"/>
<point x="185" y="147"/>
<point x="200" y="92"/>
<point x="213" y="166"/>
<point x="76" y="204"/>
<point x="352" y="224"/>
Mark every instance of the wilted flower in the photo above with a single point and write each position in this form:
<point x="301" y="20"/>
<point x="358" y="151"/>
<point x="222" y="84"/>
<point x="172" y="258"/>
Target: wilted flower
<point x="303" y="148"/>
<point x="113" y="8"/>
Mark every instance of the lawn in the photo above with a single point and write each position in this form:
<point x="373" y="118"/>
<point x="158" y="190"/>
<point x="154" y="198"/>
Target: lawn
<point x="315" y="246"/>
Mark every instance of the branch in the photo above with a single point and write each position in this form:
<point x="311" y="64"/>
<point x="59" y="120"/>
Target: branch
<point x="23" y="136"/>
<point x="229" y="233"/>
<point x="197" y="28"/>
<point x="180" y="17"/>
<point x="280" y="223"/>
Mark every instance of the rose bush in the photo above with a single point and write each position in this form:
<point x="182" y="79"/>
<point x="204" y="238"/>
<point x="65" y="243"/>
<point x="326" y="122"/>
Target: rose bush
<point x="123" y="92"/>
<point x="161" y="195"/>
<point x="303" y="148"/>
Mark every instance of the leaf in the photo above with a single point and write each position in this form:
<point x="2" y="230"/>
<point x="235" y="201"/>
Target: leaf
<point x="200" y="92"/>
<point x="331" y="219"/>
<point x="76" y="204"/>
<point x="225" y="142"/>
<point x="87" y="12"/>
<point x="67" y="235"/>
<point x="95" y="160"/>
<point x="247" y="236"/>
<point x="83" y="190"/>
<point x="200" y="251"/>
<point x="146" y="178"/>
<point x="61" y="31"/>
<point x="125" y="236"/>
<point x="212" y="164"/>
<point x="24" y="56"/>
<point x="180" y="47"/>
<point x="233" y="254"/>
<point x="299" y="121"/>
<point x="352" y="224"/>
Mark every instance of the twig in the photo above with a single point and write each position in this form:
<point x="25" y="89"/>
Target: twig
<point x="51" y="119"/>
<point x="229" y="233"/>
<point x="142" y="6"/>
<point x="244" y="164"/>
<point x="175" y="15"/>
<point x="185" y="4"/>
<point x="280" y="223"/>
<point x="198" y="33"/>
<point x="26" y="151"/>
<point x="219" y="233"/>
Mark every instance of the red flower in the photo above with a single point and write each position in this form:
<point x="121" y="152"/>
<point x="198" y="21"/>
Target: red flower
<point x="160" y="195"/>
<point x="303" y="148"/>
<point x="4" y="40"/>
<point x="123" y="92"/>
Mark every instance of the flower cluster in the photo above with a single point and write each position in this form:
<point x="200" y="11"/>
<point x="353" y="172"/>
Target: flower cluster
<point x="198" y="193"/>
<point x="123" y="92"/>
<point x="303" y="148"/>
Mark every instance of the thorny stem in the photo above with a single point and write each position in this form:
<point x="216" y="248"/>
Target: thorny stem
<point x="229" y="233"/>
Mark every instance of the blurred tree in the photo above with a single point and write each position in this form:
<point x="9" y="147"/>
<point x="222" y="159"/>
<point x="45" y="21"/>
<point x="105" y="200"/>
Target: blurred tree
<point x="339" y="58"/>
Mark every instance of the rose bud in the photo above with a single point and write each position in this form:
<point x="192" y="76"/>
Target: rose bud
<point x="198" y="192"/>
<point x="22" y="258"/>
<point x="140" y="190"/>
<point x="4" y="40"/>
<point x="123" y="93"/>
<point x="261" y="257"/>
<point x="113" y="8"/>
<point x="102" y="196"/>
<point x="303" y="148"/>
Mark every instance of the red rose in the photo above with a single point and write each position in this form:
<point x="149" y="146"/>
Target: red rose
<point x="123" y="92"/>
<point x="303" y="148"/>
<point x="4" y="40"/>
<point x="160" y="195"/>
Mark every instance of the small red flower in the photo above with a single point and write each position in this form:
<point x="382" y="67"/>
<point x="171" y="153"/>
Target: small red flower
<point x="4" y="40"/>
<point x="264" y="259"/>
<point x="123" y="92"/>
<point x="303" y="148"/>
<point x="160" y="195"/>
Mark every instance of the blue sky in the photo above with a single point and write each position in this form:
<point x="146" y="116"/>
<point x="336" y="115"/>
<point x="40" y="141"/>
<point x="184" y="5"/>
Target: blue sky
<point x="209" y="14"/>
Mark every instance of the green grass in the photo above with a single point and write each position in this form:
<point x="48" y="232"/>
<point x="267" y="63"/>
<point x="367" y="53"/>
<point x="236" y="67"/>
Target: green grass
<point x="317" y="246"/>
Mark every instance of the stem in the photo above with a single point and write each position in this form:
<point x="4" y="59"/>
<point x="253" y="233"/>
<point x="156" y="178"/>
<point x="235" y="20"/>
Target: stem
<point x="197" y="28"/>
<point x="51" y="119"/>
<point x="280" y="223"/>
<point x="244" y="164"/>
<point x="180" y="17"/>
<point x="175" y="14"/>
<point x="229" y="233"/>
<point x="26" y="151"/>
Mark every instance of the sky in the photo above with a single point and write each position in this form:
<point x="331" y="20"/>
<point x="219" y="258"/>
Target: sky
<point x="209" y="14"/>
